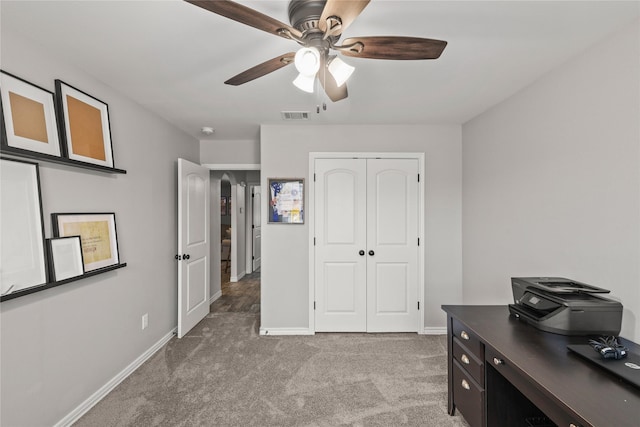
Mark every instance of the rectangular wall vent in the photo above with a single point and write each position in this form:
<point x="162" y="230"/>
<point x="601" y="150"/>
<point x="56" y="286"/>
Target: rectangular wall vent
<point x="295" y="115"/>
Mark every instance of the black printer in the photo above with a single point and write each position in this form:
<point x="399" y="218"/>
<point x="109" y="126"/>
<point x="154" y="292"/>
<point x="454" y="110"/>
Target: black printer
<point x="565" y="307"/>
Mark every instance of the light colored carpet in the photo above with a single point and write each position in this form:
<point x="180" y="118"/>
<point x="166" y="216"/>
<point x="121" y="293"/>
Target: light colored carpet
<point x="224" y="374"/>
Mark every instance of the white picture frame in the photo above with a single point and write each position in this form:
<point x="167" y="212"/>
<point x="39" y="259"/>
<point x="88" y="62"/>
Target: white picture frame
<point x="22" y="256"/>
<point x="65" y="258"/>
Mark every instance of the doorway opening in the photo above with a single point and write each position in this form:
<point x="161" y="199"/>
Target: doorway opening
<point x="235" y="253"/>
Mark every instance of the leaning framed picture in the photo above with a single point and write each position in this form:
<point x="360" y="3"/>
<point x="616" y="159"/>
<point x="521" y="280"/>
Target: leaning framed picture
<point x="28" y="117"/>
<point x="65" y="258"/>
<point x="84" y="126"/>
<point x="97" y="233"/>
<point x="22" y="255"/>
<point x="286" y="200"/>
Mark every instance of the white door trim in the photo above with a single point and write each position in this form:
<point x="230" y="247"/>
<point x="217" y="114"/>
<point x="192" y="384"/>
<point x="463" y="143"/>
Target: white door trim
<point x="311" y="220"/>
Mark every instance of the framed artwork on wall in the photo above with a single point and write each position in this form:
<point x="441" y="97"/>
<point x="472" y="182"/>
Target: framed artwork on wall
<point x="65" y="257"/>
<point x="97" y="233"/>
<point x="84" y="126"/>
<point x="22" y="255"/>
<point x="28" y="117"/>
<point x="286" y="200"/>
<point x="223" y="206"/>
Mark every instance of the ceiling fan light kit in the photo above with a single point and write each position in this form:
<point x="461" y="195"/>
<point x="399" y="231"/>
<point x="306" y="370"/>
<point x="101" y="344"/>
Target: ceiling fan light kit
<point x="317" y="25"/>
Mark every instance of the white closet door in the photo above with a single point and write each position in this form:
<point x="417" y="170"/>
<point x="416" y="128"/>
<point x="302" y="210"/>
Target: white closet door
<point x="340" y="258"/>
<point x="392" y="245"/>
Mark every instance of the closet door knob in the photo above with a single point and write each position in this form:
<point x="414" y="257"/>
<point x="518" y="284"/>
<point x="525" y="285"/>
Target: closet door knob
<point x="372" y="253"/>
<point x="361" y="253"/>
<point x="187" y="256"/>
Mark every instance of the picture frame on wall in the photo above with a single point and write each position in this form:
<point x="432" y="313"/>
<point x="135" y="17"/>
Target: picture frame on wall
<point x="65" y="258"/>
<point x="286" y="201"/>
<point x="22" y="258"/>
<point x="84" y="126"/>
<point x="97" y="233"/>
<point x="223" y="206"/>
<point x="28" y="117"/>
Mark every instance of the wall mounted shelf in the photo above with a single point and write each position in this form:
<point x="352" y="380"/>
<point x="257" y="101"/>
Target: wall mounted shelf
<point x="11" y="151"/>
<point x="38" y="288"/>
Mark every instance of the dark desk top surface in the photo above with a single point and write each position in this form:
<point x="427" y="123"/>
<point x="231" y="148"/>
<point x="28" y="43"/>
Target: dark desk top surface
<point x="543" y="358"/>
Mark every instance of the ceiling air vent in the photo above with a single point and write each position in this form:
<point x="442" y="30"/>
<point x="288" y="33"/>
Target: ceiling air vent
<point x="295" y="115"/>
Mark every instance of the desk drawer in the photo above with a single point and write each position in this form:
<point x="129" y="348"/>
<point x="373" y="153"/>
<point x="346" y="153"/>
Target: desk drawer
<point x="468" y="397"/>
<point x="468" y="338"/>
<point x="468" y="361"/>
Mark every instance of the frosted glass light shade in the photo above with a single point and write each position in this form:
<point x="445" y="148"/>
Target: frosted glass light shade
<point x="304" y="82"/>
<point x="307" y="61"/>
<point x="340" y="70"/>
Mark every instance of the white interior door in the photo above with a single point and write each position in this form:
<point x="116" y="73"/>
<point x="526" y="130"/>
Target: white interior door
<point x="366" y="245"/>
<point x="193" y="245"/>
<point x="392" y="245"/>
<point x="256" y="229"/>
<point x="340" y="259"/>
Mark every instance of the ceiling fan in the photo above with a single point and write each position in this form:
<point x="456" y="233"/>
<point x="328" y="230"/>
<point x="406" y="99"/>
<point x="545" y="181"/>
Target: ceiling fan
<point x="317" y="26"/>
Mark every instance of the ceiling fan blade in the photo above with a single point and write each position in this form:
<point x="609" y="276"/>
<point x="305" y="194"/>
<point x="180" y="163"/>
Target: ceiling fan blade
<point x="331" y="88"/>
<point x="393" y="47"/>
<point x="262" y="69"/>
<point x="346" y="10"/>
<point x="245" y="15"/>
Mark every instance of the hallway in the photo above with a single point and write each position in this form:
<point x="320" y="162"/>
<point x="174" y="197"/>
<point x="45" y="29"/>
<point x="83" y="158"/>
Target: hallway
<point x="239" y="297"/>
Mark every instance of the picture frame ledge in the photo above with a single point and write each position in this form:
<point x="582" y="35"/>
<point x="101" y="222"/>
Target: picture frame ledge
<point x="38" y="288"/>
<point x="25" y="154"/>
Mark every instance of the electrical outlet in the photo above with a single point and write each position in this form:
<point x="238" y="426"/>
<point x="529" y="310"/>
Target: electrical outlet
<point x="145" y="320"/>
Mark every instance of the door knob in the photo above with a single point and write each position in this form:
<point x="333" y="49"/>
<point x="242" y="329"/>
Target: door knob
<point x="361" y="253"/>
<point x="178" y="257"/>
<point x="187" y="256"/>
<point x="372" y="253"/>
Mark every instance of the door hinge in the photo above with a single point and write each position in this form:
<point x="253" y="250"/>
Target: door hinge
<point x="314" y="305"/>
<point x="253" y="226"/>
<point x="314" y="177"/>
<point x="314" y="241"/>
<point x="418" y="177"/>
<point x="418" y="305"/>
<point x="253" y="257"/>
<point x="418" y="241"/>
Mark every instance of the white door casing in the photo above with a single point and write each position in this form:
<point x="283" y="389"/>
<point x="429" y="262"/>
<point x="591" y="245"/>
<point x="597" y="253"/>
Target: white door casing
<point x="369" y="205"/>
<point x="256" y="200"/>
<point x="193" y="245"/>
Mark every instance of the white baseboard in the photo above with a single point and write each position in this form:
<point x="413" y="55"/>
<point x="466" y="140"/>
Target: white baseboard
<point x="96" y="397"/>
<point x="237" y="278"/>
<point x="442" y="330"/>
<point x="286" y="331"/>
<point x="215" y="297"/>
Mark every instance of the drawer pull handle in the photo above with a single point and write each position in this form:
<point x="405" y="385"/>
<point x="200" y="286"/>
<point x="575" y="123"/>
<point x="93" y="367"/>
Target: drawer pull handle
<point x="497" y="361"/>
<point x="464" y="335"/>
<point x="465" y="385"/>
<point x="573" y="425"/>
<point x="465" y="359"/>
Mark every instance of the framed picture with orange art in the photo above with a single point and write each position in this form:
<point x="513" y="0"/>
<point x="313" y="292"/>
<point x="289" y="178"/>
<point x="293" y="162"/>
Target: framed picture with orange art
<point x="84" y="126"/>
<point x="28" y="117"/>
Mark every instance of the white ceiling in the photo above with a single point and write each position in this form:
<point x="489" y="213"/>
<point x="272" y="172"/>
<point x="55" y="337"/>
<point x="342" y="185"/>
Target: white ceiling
<point x="173" y="57"/>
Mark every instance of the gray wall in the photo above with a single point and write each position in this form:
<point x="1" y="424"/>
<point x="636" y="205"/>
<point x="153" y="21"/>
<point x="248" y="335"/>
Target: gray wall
<point x="240" y="152"/>
<point x="61" y="345"/>
<point x="285" y="249"/>
<point x="552" y="181"/>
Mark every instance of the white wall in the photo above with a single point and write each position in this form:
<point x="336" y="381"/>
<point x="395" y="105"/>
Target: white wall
<point x="285" y="249"/>
<point x="240" y="152"/>
<point x="61" y="345"/>
<point x="552" y="181"/>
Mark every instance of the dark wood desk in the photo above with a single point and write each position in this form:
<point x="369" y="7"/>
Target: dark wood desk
<point x="506" y="371"/>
